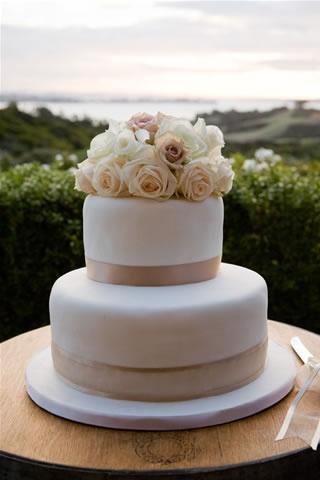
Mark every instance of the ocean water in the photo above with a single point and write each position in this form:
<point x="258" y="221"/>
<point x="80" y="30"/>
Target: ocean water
<point x="123" y="110"/>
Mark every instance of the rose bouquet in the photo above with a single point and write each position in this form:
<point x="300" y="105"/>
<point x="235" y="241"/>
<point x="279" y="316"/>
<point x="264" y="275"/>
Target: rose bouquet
<point x="156" y="157"/>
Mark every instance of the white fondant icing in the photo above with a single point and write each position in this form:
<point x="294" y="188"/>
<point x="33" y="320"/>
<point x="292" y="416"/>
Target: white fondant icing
<point x="143" y="232"/>
<point x="159" y="326"/>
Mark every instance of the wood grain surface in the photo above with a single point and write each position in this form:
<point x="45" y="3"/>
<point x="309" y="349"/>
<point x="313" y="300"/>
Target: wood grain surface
<point x="29" y="432"/>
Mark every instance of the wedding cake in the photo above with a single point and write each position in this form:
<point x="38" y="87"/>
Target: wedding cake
<point x="155" y="316"/>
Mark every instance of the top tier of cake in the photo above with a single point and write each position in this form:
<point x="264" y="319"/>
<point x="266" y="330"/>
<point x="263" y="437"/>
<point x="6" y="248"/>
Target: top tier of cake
<point x="140" y="232"/>
<point x="154" y="214"/>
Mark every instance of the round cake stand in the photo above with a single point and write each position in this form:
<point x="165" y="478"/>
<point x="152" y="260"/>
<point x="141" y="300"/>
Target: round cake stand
<point x="50" y="392"/>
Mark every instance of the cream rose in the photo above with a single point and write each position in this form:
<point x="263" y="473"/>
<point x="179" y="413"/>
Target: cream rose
<point x="196" y="181"/>
<point x="170" y="150"/>
<point x="83" y="177"/>
<point x="147" y="178"/>
<point x="183" y="130"/>
<point x="108" y="179"/>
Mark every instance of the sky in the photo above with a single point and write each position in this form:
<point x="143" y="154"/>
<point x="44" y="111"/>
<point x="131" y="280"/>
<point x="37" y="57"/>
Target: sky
<point x="170" y="49"/>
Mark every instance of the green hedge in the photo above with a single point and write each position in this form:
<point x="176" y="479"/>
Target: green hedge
<point x="272" y="225"/>
<point x="40" y="239"/>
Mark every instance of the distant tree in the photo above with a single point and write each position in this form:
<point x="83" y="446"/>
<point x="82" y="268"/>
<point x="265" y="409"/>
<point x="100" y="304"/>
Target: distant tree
<point x="300" y="104"/>
<point x="44" y="113"/>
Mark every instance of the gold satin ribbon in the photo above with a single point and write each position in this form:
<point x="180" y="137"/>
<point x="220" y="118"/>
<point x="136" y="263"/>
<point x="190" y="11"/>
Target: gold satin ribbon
<point x="154" y="275"/>
<point x="161" y="384"/>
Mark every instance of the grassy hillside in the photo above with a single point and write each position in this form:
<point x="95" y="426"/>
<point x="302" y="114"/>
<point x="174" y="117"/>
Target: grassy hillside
<point x="274" y="125"/>
<point x="293" y="133"/>
<point x="24" y="137"/>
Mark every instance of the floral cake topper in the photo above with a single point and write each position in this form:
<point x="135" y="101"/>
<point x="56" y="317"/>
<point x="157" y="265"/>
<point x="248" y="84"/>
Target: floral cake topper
<point x="156" y="157"/>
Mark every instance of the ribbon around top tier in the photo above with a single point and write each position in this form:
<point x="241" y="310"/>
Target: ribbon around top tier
<point x="148" y="276"/>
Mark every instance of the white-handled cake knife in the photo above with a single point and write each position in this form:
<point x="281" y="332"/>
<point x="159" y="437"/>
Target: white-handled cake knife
<point x="300" y="349"/>
<point x="313" y="362"/>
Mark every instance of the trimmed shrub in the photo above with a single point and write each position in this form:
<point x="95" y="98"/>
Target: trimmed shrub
<point x="272" y="225"/>
<point x="40" y="239"/>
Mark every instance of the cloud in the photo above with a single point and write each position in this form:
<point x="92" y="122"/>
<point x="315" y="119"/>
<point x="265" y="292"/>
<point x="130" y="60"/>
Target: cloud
<point x="173" y="47"/>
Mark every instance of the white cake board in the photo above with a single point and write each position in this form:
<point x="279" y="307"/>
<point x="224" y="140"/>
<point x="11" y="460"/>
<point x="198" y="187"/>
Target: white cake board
<point x="50" y="392"/>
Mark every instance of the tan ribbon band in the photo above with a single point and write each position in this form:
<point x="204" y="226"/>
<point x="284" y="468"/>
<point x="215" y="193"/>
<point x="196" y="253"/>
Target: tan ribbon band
<point x="161" y="384"/>
<point x="154" y="275"/>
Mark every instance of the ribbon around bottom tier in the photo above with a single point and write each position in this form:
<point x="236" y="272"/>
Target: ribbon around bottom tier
<point x="160" y="384"/>
<point x="159" y="275"/>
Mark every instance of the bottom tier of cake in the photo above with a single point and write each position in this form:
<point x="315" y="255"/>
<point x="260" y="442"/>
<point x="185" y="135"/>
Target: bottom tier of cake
<point x="160" y="343"/>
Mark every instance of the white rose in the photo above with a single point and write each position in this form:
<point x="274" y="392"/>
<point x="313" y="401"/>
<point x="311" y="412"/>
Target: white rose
<point x="223" y="174"/>
<point x="126" y="143"/>
<point x="115" y="127"/>
<point x="108" y="177"/>
<point x="214" y="137"/>
<point x="147" y="178"/>
<point x="211" y="135"/>
<point x="196" y="181"/>
<point x="101" y="146"/>
<point x="142" y="135"/>
<point x="83" y="177"/>
<point x="183" y="130"/>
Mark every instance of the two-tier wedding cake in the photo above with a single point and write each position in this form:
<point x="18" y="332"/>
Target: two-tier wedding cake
<point x="155" y="316"/>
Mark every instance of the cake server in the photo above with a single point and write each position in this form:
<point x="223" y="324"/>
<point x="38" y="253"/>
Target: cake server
<point x="309" y="424"/>
<point x="300" y="349"/>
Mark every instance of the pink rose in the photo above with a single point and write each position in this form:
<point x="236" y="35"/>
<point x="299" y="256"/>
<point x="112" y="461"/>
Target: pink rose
<point x="170" y="150"/>
<point x="143" y="121"/>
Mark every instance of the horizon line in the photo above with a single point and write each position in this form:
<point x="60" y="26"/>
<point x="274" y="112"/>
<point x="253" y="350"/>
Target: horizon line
<point x="97" y="98"/>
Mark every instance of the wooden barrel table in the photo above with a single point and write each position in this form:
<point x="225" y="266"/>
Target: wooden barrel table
<point x="38" y="445"/>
